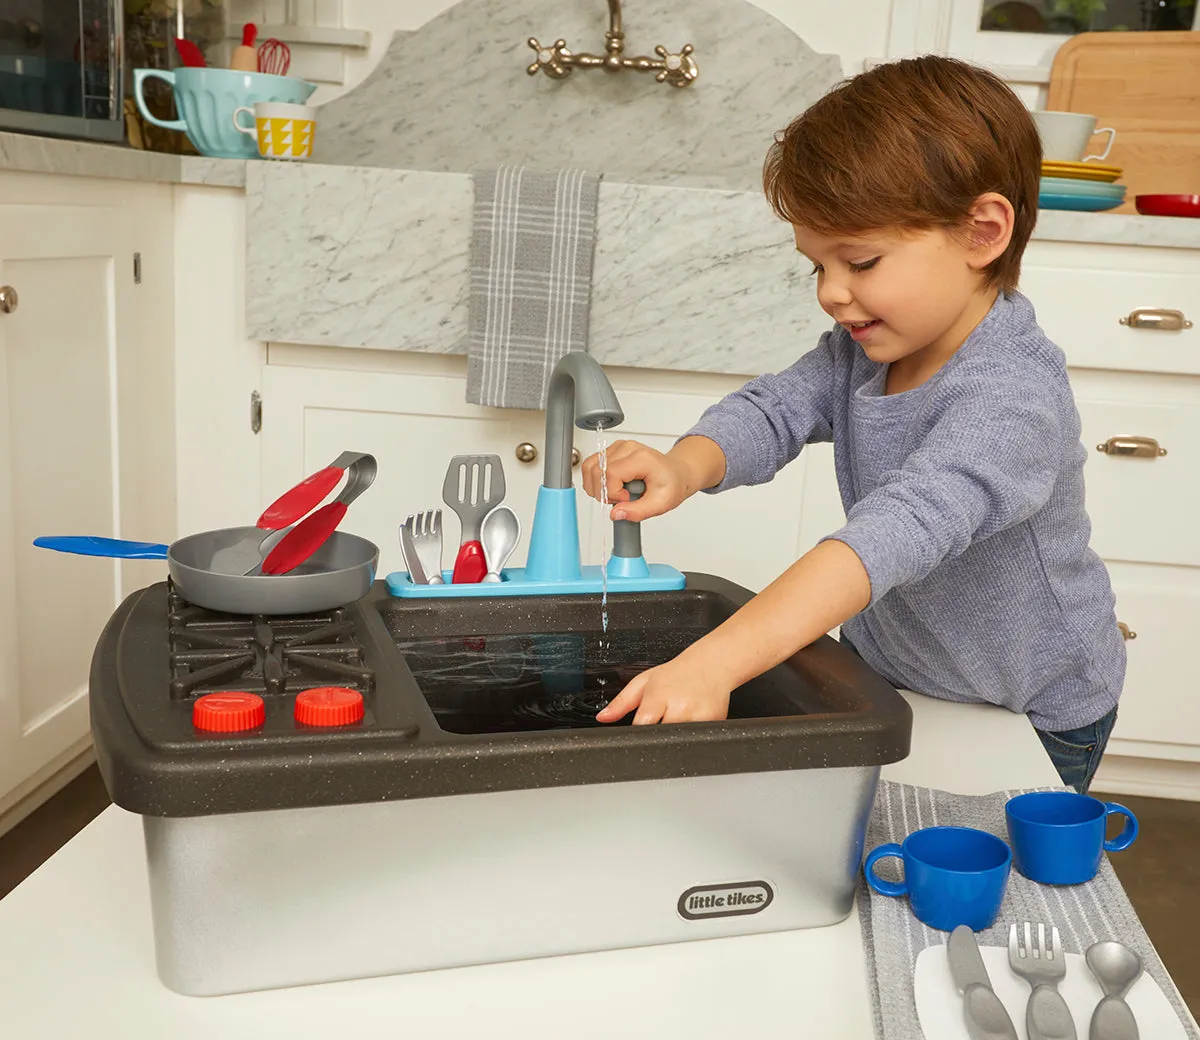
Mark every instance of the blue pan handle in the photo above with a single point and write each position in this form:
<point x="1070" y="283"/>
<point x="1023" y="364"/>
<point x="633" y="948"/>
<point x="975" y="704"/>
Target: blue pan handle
<point x="111" y="547"/>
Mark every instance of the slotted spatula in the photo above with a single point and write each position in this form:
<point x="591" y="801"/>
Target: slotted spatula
<point x="474" y="486"/>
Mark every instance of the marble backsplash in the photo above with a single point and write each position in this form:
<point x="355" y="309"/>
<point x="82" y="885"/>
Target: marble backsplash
<point x="702" y="280"/>
<point x="453" y="95"/>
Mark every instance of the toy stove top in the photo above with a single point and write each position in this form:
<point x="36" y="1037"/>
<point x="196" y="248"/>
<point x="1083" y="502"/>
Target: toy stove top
<point x="456" y="697"/>
<point x="269" y="656"/>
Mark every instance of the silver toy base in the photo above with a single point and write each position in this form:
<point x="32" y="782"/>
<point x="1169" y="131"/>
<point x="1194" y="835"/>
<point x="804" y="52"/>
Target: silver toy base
<point x="262" y="900"/>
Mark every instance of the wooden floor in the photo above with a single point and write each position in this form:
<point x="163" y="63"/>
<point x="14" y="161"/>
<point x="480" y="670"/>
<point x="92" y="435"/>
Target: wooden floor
<point x="1161" y="872"/>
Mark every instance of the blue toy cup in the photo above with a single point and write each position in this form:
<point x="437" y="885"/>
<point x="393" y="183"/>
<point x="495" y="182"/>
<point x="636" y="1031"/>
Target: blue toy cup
<point x="206" y="99"/>
<point x="952" y="876"/>
<point x="1058" y="836"/>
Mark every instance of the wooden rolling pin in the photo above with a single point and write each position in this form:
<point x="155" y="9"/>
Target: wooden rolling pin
<point x="245" y="57"/>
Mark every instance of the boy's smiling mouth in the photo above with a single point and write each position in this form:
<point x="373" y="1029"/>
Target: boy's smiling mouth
<point x="860" y="330"/>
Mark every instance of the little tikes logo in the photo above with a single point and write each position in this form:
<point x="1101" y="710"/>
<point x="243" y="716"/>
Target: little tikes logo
<point x="737" y="900"/>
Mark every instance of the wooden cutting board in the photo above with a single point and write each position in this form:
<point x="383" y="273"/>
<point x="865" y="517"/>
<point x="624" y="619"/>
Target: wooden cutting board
<point x="1146" y="86"/>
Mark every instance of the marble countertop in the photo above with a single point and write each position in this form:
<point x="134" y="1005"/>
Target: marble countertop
<point x="1117" y="229"/>
<point x="32" y="154"/>
<point x="29" y="153"/>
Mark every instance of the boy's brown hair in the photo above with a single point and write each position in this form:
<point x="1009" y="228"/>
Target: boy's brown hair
<point x="910" y="144"/>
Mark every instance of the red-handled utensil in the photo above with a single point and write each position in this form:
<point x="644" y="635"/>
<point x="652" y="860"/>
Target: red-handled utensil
<point x="310" y="492"/>
<point x="189" y="53"/>
<point x="274" y="57"/>
<point x="314" y="530"/>
<point x="474" y="486"/>
<point x="246" y="555"/>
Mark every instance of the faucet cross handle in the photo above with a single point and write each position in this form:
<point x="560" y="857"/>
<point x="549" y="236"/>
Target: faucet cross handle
<point x="552" y="60"/>
<point x="678" y="69"/>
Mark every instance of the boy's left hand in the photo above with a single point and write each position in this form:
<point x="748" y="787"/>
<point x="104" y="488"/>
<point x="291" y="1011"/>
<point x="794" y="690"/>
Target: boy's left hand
<point x="678" y="691"/>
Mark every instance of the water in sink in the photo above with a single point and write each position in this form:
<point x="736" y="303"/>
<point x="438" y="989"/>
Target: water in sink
<point x="521" y="682"/>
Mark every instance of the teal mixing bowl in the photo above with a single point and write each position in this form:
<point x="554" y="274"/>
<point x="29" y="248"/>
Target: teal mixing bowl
<point x="206" y="98"/>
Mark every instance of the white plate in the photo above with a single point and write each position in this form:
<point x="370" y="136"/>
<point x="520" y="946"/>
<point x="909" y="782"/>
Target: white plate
<point x="940" y="1007"/>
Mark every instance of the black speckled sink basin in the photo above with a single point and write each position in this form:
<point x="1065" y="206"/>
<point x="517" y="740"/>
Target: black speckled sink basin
<point x="464" y="696"/>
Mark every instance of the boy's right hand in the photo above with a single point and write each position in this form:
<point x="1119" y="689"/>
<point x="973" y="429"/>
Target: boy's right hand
<point x="670" y="479"/>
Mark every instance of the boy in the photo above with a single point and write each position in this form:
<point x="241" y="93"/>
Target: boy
<point x="963" y="569"/>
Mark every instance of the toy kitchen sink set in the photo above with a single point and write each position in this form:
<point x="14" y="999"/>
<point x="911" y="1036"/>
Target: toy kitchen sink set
<point x="358" y="777"/>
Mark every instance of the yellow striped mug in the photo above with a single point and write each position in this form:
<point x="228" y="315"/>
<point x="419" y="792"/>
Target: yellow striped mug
<point x="283" y="131"/>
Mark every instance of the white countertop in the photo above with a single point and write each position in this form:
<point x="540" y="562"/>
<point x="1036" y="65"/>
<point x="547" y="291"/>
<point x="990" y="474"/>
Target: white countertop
<point x="77" y="958"/>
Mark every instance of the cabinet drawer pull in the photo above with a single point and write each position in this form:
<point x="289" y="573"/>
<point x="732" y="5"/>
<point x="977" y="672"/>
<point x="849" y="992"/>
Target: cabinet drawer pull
<point x="1135" y="447"/>
<point x="8" y="299"/>
<point x="1126" y="631"/>
<point x="1161" y="318"/>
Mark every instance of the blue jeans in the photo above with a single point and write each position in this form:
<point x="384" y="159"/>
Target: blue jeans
<point x="1075" y="753"/>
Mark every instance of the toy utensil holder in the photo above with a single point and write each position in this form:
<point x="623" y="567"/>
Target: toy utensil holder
<point x="554" y="563"/>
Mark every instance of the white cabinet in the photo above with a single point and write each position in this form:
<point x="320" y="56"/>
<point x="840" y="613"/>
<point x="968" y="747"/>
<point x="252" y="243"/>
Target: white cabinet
<point x="67" y="411"/>
<point x="1159" y="715"/>
<point x="412" y="422"/>
<point x="410" y="413"/>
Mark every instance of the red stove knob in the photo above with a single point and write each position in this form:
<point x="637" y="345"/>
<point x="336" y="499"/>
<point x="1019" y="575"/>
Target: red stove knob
<point x="329" y="706"/>
<point x="228" y="712"/>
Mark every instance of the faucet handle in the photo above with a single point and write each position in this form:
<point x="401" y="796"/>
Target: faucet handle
<point x="678" y="69"/>
<point x="627" y="534"/>
<point x="549" y="59"/>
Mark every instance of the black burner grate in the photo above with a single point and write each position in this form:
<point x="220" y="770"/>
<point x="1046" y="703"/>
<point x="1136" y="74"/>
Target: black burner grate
<point x="270" y="656"/>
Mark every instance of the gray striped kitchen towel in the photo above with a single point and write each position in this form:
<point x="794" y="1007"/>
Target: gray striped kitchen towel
<point x="532" y="243"/>
<point x="892" y="937"/>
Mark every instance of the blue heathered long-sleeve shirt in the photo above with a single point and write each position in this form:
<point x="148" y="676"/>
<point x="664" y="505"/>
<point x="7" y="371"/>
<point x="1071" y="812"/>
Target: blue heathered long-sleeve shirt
<point x="964" y="500"/>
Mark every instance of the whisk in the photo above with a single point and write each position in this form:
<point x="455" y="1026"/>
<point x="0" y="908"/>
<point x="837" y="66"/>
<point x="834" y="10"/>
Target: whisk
<point x="274" y="57"/>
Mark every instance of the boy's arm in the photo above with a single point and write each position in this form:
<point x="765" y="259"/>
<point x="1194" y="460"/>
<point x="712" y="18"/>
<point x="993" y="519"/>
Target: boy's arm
<point x="822" y="589"/>
<point x="991" y="461"/>
<point x="762" y="427"/>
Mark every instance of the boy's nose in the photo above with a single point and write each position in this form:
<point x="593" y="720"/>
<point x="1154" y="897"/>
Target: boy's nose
<point x="833" y="294"/>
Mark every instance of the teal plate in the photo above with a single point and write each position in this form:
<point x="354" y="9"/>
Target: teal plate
<point x="1063" y="186"/>
<point x="1088" y="203"/>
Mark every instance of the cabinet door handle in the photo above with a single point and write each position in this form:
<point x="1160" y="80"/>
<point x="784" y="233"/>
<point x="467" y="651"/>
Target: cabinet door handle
<point x="1135" y="447"/>
<point x="8" y="299"/>
<point x="1126" y="631"/>
<point x="1161" y="318"/>
<point x="527" y="453"/>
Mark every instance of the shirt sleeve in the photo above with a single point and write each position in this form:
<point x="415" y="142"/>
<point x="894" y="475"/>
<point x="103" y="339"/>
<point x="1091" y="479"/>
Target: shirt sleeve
<point x="990" y="462"/>
<point x="762" y="427"/>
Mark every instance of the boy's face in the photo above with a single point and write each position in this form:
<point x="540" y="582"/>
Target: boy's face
<point x="898" y="293"/>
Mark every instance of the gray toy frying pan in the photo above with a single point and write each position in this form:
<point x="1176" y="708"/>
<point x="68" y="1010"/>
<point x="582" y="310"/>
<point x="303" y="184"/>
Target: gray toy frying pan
<point x="339" y="572"/>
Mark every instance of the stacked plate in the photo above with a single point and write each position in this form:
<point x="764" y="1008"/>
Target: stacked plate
<point x="1080" y="186"/>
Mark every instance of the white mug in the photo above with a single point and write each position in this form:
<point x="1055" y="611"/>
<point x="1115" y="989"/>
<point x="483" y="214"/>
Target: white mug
<point x="283" y="131"/>
<point x="1065" y="136"/>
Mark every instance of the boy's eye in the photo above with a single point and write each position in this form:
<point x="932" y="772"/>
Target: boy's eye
<point x="866" y="265"/>
<point x="817" y="269"/>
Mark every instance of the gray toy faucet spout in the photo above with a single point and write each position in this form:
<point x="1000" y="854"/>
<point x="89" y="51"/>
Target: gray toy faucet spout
<point x="580" y="395"/>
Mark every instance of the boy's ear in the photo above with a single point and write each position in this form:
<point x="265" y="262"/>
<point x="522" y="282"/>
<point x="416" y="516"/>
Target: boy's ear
<point x="990" y="228"/>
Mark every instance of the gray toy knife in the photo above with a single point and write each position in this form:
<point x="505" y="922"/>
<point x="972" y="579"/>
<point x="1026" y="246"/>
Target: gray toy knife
<point x="985" y="1016"/>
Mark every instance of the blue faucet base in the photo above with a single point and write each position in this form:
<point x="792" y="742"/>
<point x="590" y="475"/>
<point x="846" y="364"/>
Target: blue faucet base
<point x="516" y="582"/>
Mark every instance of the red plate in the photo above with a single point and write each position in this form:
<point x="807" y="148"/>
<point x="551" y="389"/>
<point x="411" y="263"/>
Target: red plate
<point x="1168" y="205"/>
